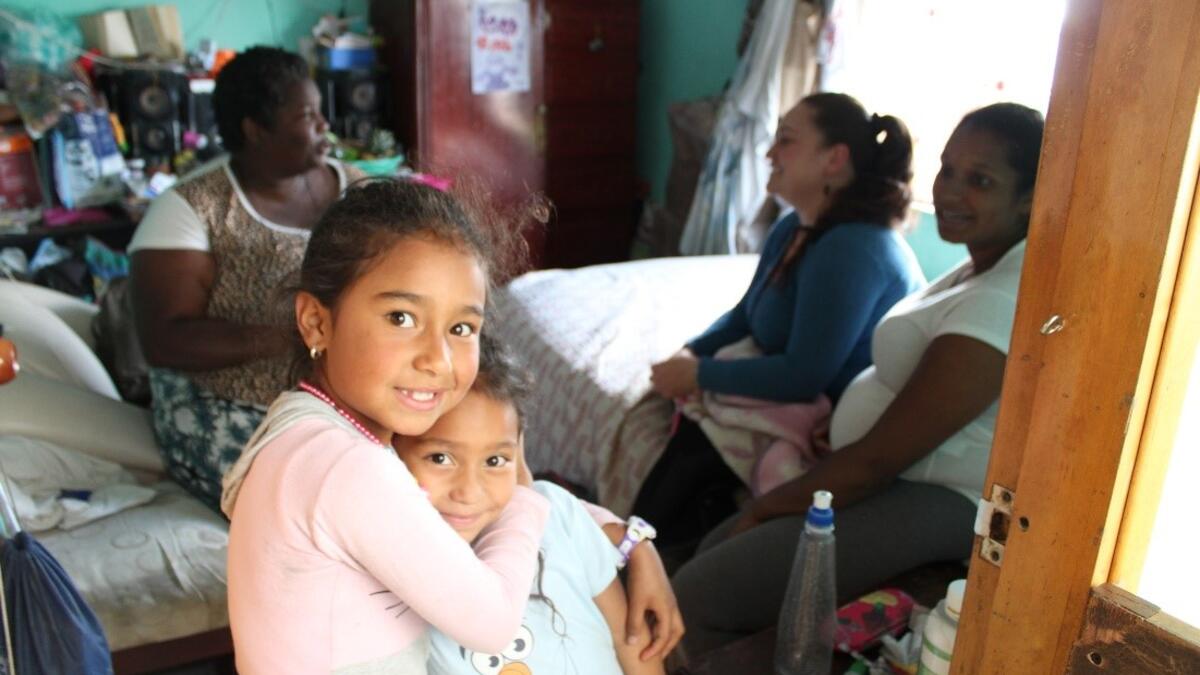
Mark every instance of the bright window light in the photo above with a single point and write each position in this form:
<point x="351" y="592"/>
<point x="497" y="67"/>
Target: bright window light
<point x="1169" y="574"/>
<point x="929" y="62"/>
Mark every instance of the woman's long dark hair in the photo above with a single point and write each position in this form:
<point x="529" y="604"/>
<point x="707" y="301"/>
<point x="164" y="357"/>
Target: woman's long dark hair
<point x="881" y="153"/>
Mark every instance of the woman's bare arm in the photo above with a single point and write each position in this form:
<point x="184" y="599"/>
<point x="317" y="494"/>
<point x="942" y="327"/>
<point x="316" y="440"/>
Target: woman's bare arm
<point x="171" y="291"/>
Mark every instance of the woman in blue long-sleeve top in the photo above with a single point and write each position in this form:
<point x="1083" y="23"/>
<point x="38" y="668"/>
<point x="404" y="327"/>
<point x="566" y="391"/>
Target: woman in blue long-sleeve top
<point x="829" y="271"/>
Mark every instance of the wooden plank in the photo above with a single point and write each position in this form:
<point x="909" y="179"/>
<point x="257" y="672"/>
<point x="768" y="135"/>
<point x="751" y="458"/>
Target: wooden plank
<point x="1109" y="216"/>
<point x="1060" y="154"/>
<point x="1162" y="416"/>
<point x="151" y="658"/>
<point x="1125" y="634"/>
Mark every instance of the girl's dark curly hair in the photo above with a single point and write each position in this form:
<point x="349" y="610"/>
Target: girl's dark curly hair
<point x="502" y="377"/>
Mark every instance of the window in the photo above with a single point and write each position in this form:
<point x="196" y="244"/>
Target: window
<point x="1168" y="578"/>
<point x="929" y="62"/>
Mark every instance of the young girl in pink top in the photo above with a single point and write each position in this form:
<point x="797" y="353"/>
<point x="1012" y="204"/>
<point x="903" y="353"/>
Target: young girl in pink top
<point x="337" y="559"/>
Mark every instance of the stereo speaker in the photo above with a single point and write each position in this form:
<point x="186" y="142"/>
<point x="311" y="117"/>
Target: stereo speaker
<point x="352" y="100"/>
<point x="149" y="107"/>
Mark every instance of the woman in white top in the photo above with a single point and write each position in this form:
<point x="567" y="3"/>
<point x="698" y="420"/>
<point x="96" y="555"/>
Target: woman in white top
<point x="211" y="254"/>
<point x="913" y="432"/>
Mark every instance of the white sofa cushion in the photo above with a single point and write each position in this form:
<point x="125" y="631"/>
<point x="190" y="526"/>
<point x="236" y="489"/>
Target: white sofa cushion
<point x="153" y="573"/>
<point x="38" y="407"/>
<point x="47" y="345"/>
<point x="74" y="312"/>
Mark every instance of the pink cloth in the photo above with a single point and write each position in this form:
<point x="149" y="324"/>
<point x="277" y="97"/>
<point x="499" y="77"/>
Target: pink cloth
<point x="336" y="557"/>
<point x="765" y="443"/>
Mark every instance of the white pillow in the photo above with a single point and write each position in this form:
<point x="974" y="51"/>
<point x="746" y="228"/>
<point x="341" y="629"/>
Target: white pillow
<point x="75" y="312"/>
<point x="46" y="345"/>
<point x="38" y="407"/>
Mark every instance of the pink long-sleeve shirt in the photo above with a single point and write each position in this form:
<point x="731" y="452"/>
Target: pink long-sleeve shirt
<point x="337" y="558"/>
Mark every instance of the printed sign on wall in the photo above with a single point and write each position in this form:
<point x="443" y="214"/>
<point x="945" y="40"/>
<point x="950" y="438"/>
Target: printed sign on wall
<point x="499" y="46"/>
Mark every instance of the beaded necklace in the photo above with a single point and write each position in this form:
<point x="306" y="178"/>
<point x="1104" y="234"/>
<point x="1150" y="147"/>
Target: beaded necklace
<point x="315" y="391"/>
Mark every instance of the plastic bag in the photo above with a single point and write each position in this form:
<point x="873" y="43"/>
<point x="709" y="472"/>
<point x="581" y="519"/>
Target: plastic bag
<point x="87" y="162"/>
<point x="52" y="629"/>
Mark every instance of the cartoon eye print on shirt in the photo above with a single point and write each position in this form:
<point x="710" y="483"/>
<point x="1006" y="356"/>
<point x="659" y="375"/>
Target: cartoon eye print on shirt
<point x="511" y="661"/>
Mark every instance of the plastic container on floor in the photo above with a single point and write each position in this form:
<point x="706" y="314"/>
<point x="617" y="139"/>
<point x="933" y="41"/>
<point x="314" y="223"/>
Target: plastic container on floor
<point x="804" y="643"/>
<point x="937" y="643"/>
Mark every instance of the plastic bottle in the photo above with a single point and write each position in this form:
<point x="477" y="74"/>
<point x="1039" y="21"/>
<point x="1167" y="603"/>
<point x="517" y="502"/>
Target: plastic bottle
<point x="804" y="642"/>
<point x="937" y="643"/>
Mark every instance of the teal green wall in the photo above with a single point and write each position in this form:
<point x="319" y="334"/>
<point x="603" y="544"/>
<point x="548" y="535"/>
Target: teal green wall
<point x="234" y="24"/>
<point x="688" y="50"/>
<point x="936" y="256"/>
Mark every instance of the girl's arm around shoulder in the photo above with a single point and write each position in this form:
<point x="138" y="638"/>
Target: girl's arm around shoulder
<point x="371" y="513"/>
<point x="613" y="606"/>
<point x="650" y="593"/>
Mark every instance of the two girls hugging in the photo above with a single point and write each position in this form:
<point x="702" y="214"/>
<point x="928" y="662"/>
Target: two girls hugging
<point x="388" y="494"/>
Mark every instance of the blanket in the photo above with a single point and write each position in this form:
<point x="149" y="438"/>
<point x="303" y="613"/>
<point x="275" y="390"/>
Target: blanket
<point x="589" y="336"/>
<point x="53" y="487"/>
<point x="765" y="443"/>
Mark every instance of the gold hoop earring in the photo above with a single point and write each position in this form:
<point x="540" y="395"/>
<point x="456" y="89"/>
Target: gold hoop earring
<point x="314" y="352"/>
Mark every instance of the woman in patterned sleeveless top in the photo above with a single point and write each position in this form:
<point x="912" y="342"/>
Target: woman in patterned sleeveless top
<point x="212" y="253"/>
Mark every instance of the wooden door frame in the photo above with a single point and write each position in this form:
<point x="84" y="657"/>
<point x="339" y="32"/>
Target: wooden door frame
<point x="1118" y="173"/>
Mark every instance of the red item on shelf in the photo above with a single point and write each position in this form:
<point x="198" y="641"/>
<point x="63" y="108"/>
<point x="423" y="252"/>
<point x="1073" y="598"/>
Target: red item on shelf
<point x="58" y="216"/>
<point x="864" y="622"/>
<point x="19" y="186"/>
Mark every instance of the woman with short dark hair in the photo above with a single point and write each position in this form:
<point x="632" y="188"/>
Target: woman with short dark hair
<point x="210" y="255"/>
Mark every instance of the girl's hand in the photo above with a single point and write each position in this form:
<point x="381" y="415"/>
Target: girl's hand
<point x="650" y="595"/>
<point x="676" y="377"/>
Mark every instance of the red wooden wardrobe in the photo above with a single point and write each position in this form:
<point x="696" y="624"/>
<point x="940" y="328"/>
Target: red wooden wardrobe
<point x="571" y="134"/>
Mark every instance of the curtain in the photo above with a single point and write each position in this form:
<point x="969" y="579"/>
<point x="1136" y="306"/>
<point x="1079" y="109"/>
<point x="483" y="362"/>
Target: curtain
<point x="733" y="182"/>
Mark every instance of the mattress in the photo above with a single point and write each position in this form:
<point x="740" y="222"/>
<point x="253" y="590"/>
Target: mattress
<point x="153" y="573"/>
<point x="589" y="337"/>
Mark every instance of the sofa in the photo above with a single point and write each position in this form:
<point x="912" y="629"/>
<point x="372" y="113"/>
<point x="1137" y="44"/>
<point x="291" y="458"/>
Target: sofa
<point x="154" y="574"/>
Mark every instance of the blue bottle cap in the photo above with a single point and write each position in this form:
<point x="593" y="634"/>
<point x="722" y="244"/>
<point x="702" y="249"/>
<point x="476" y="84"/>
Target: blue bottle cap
<point x="820" y="514"/>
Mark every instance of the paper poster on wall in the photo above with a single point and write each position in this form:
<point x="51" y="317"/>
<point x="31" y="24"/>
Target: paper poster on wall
<point x="499" y="46"/>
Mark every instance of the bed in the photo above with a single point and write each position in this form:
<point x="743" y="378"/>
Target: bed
<point x="589" y="336"/>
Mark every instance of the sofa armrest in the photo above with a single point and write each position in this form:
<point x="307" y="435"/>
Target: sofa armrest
<point x="46" y="343"/>
<point x="39" y="407"/>
<point x="76" y="313"/>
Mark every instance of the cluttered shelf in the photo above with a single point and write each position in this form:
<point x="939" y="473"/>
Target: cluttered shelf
<point x="114" y="230"/>
<point x="98" y="119"/>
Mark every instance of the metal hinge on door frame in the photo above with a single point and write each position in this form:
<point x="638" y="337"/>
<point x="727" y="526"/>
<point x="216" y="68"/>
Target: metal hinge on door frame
<point x="992" y="521"/>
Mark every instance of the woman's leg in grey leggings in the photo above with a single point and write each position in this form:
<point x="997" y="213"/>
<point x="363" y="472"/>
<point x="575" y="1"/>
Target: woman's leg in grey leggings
<point x="734" y="588"/>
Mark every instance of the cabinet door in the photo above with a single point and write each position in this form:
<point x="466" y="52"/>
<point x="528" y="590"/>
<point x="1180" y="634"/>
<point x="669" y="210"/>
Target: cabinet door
<point x="447" y="129"/>
<point x="590" y="107"/>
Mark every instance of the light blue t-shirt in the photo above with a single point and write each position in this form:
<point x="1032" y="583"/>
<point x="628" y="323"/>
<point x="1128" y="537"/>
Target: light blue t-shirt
<point x="578" y="562"/>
